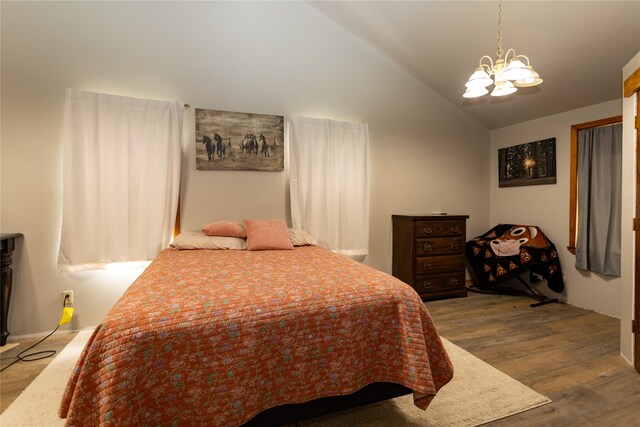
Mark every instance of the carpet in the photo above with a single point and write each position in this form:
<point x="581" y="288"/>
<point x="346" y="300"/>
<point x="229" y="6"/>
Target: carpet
<point x="478" y="394"/>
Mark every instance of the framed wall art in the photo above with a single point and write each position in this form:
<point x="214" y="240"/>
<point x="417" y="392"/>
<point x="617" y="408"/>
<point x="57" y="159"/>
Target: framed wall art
<point x="231" y="141"/>
<point x="533" y="163"/>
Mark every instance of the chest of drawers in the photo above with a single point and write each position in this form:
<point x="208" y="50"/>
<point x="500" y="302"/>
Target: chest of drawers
<point x="428" y="254"/>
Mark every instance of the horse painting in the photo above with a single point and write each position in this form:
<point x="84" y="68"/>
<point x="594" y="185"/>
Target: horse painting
<point x="250" y="144"/>
<point x="236" y="141"/>
<point x="264" y="147"/>
<point x="221" y="149"/>
<point x="207" y="142"/>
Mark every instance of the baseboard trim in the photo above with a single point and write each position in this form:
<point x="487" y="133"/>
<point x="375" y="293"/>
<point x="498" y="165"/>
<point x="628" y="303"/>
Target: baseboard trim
<point x="16" y="338"/>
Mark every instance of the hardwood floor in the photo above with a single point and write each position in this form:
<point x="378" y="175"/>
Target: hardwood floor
<point x="16" y="378"/>
<point x="569" y="354"/>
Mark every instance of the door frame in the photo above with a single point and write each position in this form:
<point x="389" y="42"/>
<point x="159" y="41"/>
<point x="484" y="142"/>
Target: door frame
<point x="632" y="86"/>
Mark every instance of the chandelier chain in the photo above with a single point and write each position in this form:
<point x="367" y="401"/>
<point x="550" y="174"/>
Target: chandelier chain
<point x="500" y="52"/>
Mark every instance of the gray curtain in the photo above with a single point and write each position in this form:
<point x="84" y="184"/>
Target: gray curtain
<point x="599" y="199"/>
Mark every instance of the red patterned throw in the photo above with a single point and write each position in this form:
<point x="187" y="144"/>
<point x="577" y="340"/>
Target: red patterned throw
<point x="209" y="337"/>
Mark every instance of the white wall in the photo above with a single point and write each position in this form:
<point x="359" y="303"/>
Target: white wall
<point x="629" y="189"/>
<point x="548" y="205"/>
<point x="272" y="58"/>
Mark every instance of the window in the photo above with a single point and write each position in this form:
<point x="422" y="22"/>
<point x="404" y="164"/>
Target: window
<point x="587" y="190"/>
<point x="329" y="183"/>
<point x="573" y="190"/>
<point x="121" y="179"/>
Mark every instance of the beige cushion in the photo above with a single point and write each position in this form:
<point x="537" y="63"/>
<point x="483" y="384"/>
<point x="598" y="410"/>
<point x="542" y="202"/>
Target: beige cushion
<point x="300" y="237"/>
<point x="199" y="240"/>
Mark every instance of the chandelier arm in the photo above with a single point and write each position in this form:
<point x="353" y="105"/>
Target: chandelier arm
<point x="513" y="52"/>
<point x="525" y="57"/>
<point x="487" y="67"/>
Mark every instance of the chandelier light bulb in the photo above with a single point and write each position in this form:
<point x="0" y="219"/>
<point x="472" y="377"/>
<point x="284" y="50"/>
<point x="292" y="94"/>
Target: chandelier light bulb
<point x="516" y="70"/>
<point x="533" y="80"/>
<point x="475" y="92"/>
<point x="503" y="88"/>
<point x="479" y="78"/>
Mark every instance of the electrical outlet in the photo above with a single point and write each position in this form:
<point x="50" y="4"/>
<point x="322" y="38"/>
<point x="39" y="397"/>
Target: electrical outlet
<point x="64" y="297"/>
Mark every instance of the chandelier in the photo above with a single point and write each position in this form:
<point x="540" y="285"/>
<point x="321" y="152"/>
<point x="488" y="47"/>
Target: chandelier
<point x="506" y="74"/>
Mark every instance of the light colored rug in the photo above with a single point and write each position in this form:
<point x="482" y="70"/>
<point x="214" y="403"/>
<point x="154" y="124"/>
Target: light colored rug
<point x="477" y="394"/>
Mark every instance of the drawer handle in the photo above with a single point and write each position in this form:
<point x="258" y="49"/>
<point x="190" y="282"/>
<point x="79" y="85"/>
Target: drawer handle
<point x="453" y="282"/>
<point x="428" y="230"/>
<point x="427" y="266"/>
<point x="427" y="247"/>
<point x="455" y="229"/>
<point x="426" y="284"/>
<point x="455" y="246"/>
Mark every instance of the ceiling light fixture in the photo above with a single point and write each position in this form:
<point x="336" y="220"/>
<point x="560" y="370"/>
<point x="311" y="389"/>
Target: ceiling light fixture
<point x="506" y="74"/>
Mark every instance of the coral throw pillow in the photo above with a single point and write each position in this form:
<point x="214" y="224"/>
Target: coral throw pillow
<point x="267" y="234"/>
<point x="225" y="229"/>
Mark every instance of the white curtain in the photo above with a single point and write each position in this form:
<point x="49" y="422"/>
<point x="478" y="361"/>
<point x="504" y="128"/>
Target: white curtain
<point x="598" y="243"/>
<point x="121" y="177"/>
<point x="329" y="182"/>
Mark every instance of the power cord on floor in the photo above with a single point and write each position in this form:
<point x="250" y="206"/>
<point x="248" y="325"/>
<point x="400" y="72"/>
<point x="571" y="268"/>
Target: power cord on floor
<point x="38" y="355"/>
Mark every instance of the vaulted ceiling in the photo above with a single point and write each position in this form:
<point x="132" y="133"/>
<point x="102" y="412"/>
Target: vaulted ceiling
<point x="577" y="47"/>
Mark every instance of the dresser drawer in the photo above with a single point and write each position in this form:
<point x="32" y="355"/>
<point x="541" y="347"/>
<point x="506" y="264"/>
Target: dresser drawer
<point x="439" y="228"/>
<point x="439" y="282"/>
<point x="439" y="264"/>
<point x="439" y="245"/>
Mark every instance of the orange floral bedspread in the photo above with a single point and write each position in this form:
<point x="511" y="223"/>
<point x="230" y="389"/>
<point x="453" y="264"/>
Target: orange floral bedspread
<point x="215" y="337"/>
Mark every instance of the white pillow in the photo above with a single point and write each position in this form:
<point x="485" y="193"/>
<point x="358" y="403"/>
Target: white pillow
<point x="199" y="240"/>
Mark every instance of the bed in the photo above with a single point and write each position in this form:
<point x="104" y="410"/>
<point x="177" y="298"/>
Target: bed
<point x="217" y="337"/>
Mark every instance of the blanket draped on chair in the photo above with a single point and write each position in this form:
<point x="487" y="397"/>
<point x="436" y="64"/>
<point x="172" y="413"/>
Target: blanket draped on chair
<point x="509" y="249"/>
